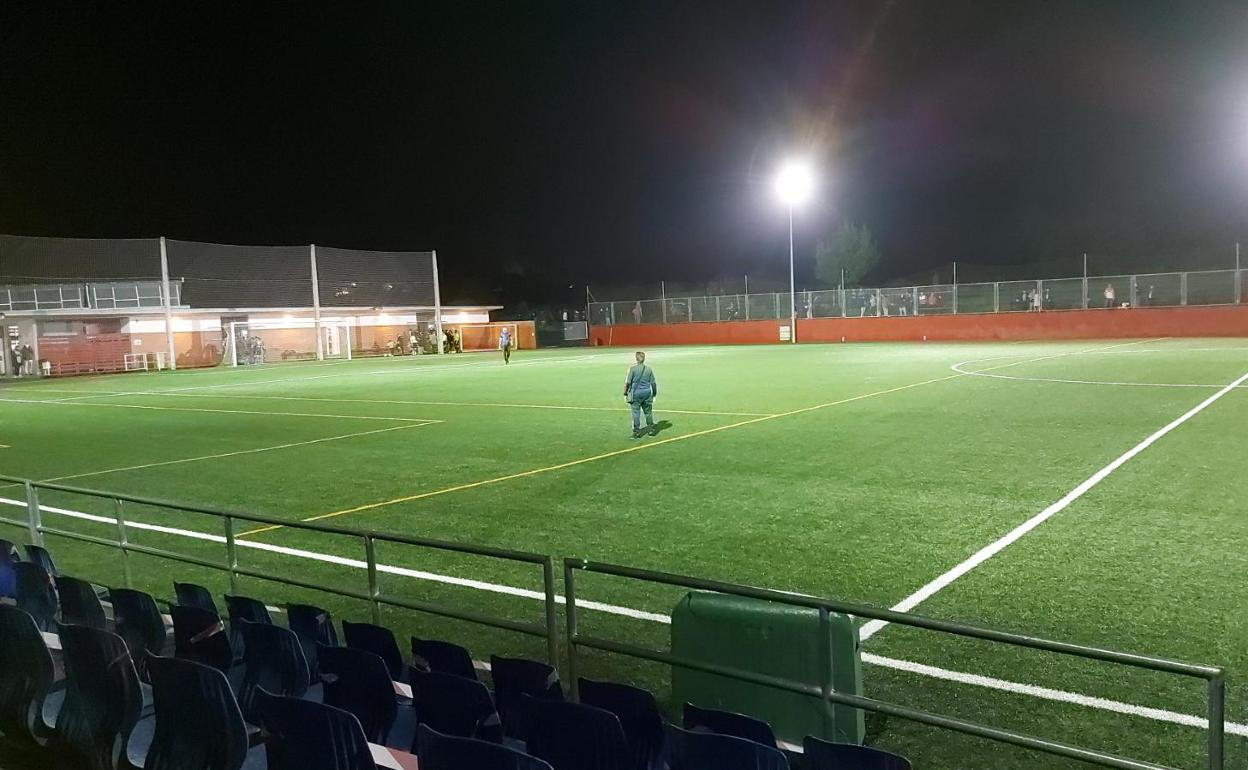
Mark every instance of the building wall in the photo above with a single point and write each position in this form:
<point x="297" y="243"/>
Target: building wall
<point x="1228" y="321"/>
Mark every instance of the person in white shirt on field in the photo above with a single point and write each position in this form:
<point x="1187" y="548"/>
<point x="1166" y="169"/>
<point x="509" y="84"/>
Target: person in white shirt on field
<point x="504" y="344"/>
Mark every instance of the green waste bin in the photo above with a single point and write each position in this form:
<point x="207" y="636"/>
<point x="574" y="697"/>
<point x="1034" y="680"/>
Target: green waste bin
<point x="772" y="639"/>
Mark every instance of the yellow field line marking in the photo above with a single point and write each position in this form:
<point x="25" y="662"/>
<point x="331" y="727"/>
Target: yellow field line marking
<point x="603" y="456"/>
<point x="61" y="402"/>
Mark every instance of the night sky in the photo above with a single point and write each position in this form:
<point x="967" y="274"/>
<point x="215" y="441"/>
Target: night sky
<point x="543" y="145"/>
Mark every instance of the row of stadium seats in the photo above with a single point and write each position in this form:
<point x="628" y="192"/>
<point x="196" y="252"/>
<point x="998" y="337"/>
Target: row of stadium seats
<point x="248" y="693"/>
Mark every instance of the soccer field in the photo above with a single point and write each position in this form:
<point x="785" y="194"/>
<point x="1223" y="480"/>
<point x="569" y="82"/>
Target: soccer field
<point x="860" y="472"/>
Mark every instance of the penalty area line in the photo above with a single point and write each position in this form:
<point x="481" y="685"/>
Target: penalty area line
<point x="910" y="667"/>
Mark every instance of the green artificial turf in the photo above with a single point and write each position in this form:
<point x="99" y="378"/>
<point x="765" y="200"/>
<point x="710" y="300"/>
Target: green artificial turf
<point x="904" y="468"/>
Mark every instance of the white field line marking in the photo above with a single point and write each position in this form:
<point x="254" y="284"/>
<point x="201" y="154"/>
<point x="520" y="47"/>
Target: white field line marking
<point x="242" y="451"/>
<point x="398" y="402"/>
<point x="1050" y="694"/>
<point x="60" y="402"/>
<point x="987" y="552"/>
<point x="1045" y="693"/>
<point x="958" y="367"/>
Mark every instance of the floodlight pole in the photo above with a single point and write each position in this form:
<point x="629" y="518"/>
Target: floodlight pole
<point x="164" y="281"/>
<point x="437" y="304"/>
<point x="792" y="292"/>
<point x="1239" y="278"/>
<point x="316" y="306"/>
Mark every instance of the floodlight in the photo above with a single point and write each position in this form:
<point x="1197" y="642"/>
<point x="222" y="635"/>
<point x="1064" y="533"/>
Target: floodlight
<point x="795" y="183"/>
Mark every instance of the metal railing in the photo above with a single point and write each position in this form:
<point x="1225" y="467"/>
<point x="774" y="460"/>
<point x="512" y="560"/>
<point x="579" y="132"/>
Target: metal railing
<point x="547" y="629"/>
<point x="1214" y="677"/>
<point x="1203" y="288"/>
<point x="83" y="296"/>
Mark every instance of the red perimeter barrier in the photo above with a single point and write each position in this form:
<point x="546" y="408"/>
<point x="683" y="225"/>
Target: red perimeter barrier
<point x="1227" y="321"/>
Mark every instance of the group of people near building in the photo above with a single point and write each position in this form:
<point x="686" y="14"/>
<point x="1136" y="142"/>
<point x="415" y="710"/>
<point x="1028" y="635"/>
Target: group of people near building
<point x="22" y="357"/>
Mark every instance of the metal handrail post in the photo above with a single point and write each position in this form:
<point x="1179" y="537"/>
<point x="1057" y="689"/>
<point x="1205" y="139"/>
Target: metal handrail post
<point x="370" y="556"/>
<point x="231" y="553"/>
<point x="1217" y="721"/>
<point x="123" y="542"/>
<point x="569" y="612"/>
<point x="552" y="620"/>
<point x="33" y="512"/>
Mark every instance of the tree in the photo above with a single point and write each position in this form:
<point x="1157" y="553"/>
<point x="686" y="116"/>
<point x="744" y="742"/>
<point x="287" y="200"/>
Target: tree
<point x="851" y="248"/>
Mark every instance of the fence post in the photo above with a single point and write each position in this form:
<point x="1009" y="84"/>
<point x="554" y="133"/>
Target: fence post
<point x="717" y="318"/>
<point x="955" y="288"/>
<point x="844" y="310"/>
<point x="1134" y="292"/>
<point x="776" y="296"/>
<point x="1217" y="721"/>
<point x="119" y="511"/>
<point x="1239" y="278"/>
<point x="437" y="305"/>
<point x="1183" y="288"/>
<point x="663" y="299"/>
<point x="569" y="612"/>
<point x="996" y="297"/>
<point x="164" y="281"/>
<point x="914" y="299"/>
<point x="316" y="306"/>
<point x="370" y="553"/>
<point x="1084" y="302"/>
<point x="879" y="303"/>
<point x="231" y="553"/>
<point x="34" y="513"/>
<point x="552" y="622"/>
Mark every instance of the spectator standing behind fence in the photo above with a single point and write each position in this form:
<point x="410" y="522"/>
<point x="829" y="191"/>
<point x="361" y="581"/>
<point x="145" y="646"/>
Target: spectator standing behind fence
<point x="1109" y="295"/>
<point x="640" y="390"/>
<point x="637" y="312"/>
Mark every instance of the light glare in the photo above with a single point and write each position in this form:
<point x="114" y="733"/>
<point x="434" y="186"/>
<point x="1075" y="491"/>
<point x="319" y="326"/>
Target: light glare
<point x="795" y="183"/>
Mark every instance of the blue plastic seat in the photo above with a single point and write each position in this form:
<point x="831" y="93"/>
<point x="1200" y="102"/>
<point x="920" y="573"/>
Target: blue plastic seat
<point x="442" y="657"/>
<point x="199" y="635"/>
<point x="818" y="754"/>
<point x="102" y="700"/>
<point x="573" y="736"/>
<point x="359" y="682"/>
<point x="198" y="723"/>
<point x="713" y="751"/>
<point x="191" y="595"/>
<point x="26" y="673"/>
<point x="272" y="660"/>
<point x="313" y="626"/>
<point x="729" y="723"/>
<point x="514" y="678"/>
<point x="80" y="605"/>
<point x="639" y="715"/>
<point x="436" y="751"/>
<point x="39" y="555"/>
<point x="36" y="593"/>
<point x="377" y="640"/>
<point x="138" y="621"/>
<point x="454" y="705"/>
<point x="305" y="735"/>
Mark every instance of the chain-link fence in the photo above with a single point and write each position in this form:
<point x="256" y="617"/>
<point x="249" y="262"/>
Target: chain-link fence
<point x="1207" y="287"/>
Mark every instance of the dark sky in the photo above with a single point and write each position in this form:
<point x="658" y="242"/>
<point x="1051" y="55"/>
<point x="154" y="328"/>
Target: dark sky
<point x="631" y="141"/>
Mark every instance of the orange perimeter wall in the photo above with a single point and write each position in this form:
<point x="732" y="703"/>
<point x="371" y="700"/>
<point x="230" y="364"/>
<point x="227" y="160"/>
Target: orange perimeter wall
<point x="1049" y="325"/>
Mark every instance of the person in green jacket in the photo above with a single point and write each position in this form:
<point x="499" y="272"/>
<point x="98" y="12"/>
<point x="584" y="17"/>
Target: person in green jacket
<point x="640" y="390"/>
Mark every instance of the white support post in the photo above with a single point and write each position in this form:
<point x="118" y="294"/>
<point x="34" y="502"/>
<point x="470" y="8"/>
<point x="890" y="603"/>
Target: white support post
<point x="1085" y="280"/>
<point x="663" y="299"/>
<point x="1183" y="288"/>
<point x="955" y="288"/>
<point x="316" y="306"/>
<point x="346" y="333"/>
<point x="844" y="311"/>
<point x="879" y="303"/>
<point x="168" y="297"/>
<point x="1239" y="278"/>
<point x="996" y="298"/>
<point x="233" y="342"/>
<point x="437" y="304"/>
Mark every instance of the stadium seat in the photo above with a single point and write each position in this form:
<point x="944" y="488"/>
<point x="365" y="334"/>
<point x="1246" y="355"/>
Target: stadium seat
<point x="515" y="678"/>
<point x="198" y="722"/>
<point x="359" y="682"/>
<point x="36" y="593"/>
<point x="272" y="660"/>
<point x="573" y="736"/>
<point x="712" y="751"/>
<point x="436" y="751"/>
<point x="639" y="715"/>
<point x="442" y="657"/>
<point x="26" y="673"/>
<point x="377" y="640"/>
<point x="729" y="723"/>
<point x="39" y="555"/>
<point x="191" y="595"/>
<point x="102" y="700"/>
<point x="454" y="705"/>
<point x="819" y="754"/>
<point x="199" y="635"/>
<point x="248" y="609"/>
<point x="305" y="735"/>
<point x="80" y="605"/>
<point x="313" y="626"/>
<point x="138" y="621"/>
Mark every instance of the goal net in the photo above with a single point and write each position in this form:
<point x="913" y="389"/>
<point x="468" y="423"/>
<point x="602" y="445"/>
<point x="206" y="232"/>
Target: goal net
<point x="487" y="336"/>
